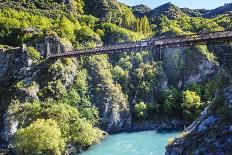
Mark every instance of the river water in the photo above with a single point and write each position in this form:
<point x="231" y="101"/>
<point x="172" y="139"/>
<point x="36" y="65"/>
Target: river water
<point x="136" y="143"/>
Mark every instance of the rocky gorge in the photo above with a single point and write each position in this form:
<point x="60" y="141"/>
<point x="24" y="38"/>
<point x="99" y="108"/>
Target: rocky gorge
<point x="17" y="65"/>
<point x="73" y="103"/>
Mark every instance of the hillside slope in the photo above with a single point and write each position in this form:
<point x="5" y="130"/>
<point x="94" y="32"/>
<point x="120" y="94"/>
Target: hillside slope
<point x="220" y="10"/>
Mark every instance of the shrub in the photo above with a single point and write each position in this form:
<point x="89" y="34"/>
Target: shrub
<point x="90" y="114"/>
<point x="141" y="110"/>
<point x="119" y="75"/>
<point x="84" y="134"/>
<point x="204" y="51"/>
<point x="41" y="137"/>
<point x="152" y="109"/>
<point x="73" y="125"/>
<point x="196" y="88"/>
<point x="33" y="53"/>
<point x="191" y="104"/>
<point x="171" y="100"/>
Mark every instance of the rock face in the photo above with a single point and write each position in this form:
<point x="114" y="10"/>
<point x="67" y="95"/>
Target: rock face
<point x="108" y="97"/>
<point x="168" y="124"/>
<point x="4" y="150"/>
<point x="183" y="66"/>
<point x="211" y="133"/>
<point x="14" y="64"/>
<point x="10" y="127"/>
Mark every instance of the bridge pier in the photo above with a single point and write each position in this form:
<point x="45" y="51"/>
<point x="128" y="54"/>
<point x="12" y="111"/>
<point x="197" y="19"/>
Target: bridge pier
<point x="48" y="52"/>
<point x="157" y="53"/>
<point x="160" y="52"/>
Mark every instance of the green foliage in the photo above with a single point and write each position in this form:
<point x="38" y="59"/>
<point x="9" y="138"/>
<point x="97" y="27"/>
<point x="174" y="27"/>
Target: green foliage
<point x="171" y="100"/>
<point x="12" y="24"/>
<point x="185" y="25"/>
<point x="17" y="26"/>
<point x="140" y="110"/>
<point x="206" y="90"/>
<point x="119" y="75"/>
<point x="143" y="26"/>
<point x="86" y="36"/>
<point x="104" y="89"/>
<point x="224" y="21"/>
<point x="33" y="54"/>
<point x="73" y="125"/>
<point x="78" y="5"/>
<point x="211" y="87"/>
<point x="88" y="20"/>
<point x="153" y="109"/>
<point x="91" y="114"/>
<point x="84" y="134"/>
<point x="146" y="75"/>
<point x="67" y="109"/>
<point x="191" y="104"/>
<point x="138" y="58"/>
<point x="66" y="28"/>
<point x="125" y="63"/>
<point x="195" y="88"/>
<point x="204" y="51"/>
<point x="41" y="137"/>
<point x="119" y="14"/>
<point x="114" y="33"/>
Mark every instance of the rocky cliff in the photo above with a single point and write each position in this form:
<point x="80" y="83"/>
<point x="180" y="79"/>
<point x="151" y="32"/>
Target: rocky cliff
<point x="24" y="80"/>
<point x="211" y="133"/>
<point x="109" y="99"/>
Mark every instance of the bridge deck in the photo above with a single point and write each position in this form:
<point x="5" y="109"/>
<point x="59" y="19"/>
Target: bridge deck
<point x="155" y="42"/>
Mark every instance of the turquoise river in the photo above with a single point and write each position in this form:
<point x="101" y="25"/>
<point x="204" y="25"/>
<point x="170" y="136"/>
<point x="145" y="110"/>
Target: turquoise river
<point x="136" y="143"/>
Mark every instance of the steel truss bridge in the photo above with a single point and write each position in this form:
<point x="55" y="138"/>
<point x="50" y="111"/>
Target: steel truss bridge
<point x="152" y="43"/>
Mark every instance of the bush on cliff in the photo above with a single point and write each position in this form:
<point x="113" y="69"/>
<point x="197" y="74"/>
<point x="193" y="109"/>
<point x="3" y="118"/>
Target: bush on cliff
<point x="74" y="128"/>
<point x="33" y="54"/>
<point x="191" y="105"/>
<point x="41" y="137"/>
<point x="171" y="100"/>
<point x="84" y="134"/>
<point x="141" y="110"/>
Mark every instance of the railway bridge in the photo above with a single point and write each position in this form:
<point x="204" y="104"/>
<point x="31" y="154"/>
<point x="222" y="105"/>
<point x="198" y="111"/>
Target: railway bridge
<point x="151" y="43"/>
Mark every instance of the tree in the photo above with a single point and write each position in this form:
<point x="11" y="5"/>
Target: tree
<point x="195" y="88"/>
<point x="119" y="75"/>
<point x="191" y="104"/>
<point x="171" y="102"/>
<point x="147" y="76"/>
<point x="140" y="110"/>
<point x="84" y="134"/>
<point x="66" y="28"/>
<point x="41" y="137"/>
<point x="78" y="6"/>
<point x="33" y="54"/>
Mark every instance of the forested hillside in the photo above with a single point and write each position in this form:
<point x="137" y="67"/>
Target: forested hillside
<point x="66" y="105"/>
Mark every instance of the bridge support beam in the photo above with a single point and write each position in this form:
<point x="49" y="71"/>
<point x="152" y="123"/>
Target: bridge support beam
<point x="160" y="53"/>
<point x="48" y="52"/>
<point x="157" y="53"/>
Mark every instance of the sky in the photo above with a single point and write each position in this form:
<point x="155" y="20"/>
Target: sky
<point x="192" y="4"/>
